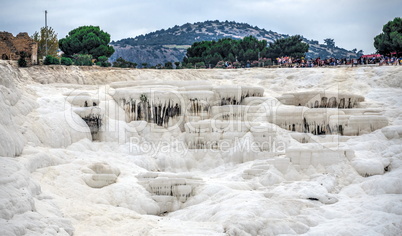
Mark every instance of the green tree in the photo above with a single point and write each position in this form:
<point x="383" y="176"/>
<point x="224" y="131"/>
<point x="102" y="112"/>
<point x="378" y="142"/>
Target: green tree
<point x="102" y="61"/>
<point x="89" y="40"/>
<point x="50" y="60"/>
<point x="189" y="65"/>
<point x="227" y="49"/>
<point x="83" y="60"/>
<point x="251" y="55"/>
<point x="169" y="65"/>
<point x="200" y="65"/>
<point x="390" y="40"/>
<point x="230" y="58"/>
<point x="21" y="61"/>
<point x="120" y="62"/>
<point x="66" y="61"/>
<point x="47" y="36"/>
<point x="329" y="42"/>
<point x="213" y="59"/>
<point x="291" y="46"/>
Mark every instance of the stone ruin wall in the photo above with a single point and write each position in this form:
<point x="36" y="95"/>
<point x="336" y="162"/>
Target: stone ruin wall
<point x="10" y="47"/>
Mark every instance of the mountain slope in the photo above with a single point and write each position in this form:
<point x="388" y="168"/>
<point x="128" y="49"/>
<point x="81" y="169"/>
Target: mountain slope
<point x="170" y="45"/>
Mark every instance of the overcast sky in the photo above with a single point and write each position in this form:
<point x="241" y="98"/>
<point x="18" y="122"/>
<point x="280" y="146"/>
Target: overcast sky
<point x="351" y="23"/>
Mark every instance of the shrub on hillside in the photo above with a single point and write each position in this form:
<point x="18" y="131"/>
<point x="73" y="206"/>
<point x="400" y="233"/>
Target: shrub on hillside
<point x="83" y="60"/>
<point x="120" y="62"/>
<point x="168" y="65"/>
<point x="104" y="64"/>
<point x="200" y="65"/>
<point x="102" y="61"/>
<point x="50" y="60"/>
<point x="21" y="61"/>
<point x="188" y="65"/>
<point x="66" y="61"/>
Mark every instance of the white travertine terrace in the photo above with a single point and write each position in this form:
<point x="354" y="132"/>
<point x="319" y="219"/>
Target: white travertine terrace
<point x="170" y="190"/>
<point x="246" y="153"/>
<point x="98" y="175"/>
<point x="317" y="99"/>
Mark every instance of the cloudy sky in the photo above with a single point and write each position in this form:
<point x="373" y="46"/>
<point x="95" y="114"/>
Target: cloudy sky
<point x="351" y="23"/>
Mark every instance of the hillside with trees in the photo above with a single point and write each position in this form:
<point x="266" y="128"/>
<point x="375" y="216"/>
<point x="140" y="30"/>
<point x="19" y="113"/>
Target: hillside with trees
<point x="170" y="45"/>
<point x="243" y="51"/>
<point x="188" y="33"/>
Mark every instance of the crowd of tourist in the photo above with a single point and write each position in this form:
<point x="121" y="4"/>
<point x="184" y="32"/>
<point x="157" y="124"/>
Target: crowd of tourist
<point x="364" y="60"/>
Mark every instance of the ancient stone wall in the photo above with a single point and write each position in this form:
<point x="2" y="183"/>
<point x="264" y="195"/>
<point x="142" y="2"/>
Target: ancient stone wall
<point x="11" y="46"/>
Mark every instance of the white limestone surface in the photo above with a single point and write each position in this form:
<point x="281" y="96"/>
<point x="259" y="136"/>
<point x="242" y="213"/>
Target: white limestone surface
<point x="141" y="177"/>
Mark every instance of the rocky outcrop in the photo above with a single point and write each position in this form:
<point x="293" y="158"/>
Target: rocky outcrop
<point x="152" y="55"/>
<point x="10" y="47"/>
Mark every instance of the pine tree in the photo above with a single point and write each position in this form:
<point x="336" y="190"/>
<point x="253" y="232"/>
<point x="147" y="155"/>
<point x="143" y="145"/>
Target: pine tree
<point x="390" y="40"/>
<point x="291" y="46"/>
<point x="87" y="40"/>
